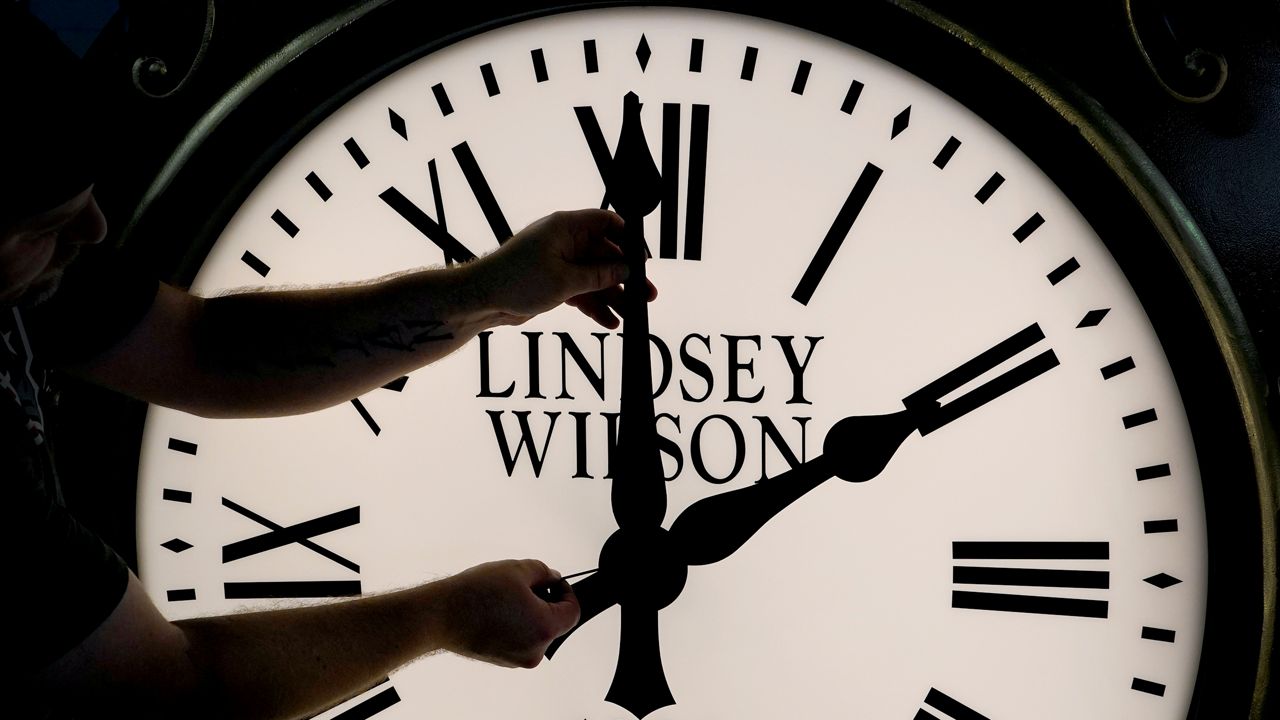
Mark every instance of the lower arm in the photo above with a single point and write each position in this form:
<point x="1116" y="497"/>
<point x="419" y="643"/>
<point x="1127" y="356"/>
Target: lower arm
<point x="276" y="353"/>
<point x="297" y="662"/>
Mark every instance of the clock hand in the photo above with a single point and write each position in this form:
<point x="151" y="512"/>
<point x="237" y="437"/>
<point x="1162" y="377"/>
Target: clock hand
<point x="925" y="402"/>
<point x="595" y="595"/>
<point x="639" y="497"/>
<point x="714" y="528"/>
<point x="629" y="574"/>
<point x="555" y="591"/>
<point x="639" y="684"/>
<point x="856" y="449"/>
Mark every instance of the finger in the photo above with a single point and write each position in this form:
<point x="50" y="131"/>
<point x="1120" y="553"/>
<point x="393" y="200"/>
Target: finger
<point x="591" y="276"/>
<point x="537" y="573"/>
<point x="602" y="221"/>
<point x="601" y="316"/>
<point x="564" y="610"/>
<point x="591" y="232"/>
<point x="610" y="297"/>
<point x="598" y="312"/>
<point x="603" y="306"/>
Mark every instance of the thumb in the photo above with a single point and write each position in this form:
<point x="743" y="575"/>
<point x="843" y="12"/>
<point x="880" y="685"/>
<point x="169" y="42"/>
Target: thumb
<point x="565" y="610"/>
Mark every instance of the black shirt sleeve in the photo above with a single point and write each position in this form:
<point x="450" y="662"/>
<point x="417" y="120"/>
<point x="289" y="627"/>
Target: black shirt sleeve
<point x="77" y="582"/>
<point x="68" y="580"/>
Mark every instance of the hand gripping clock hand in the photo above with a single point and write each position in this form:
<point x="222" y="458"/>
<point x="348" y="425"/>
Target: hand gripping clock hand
<point x="639" y="496"/>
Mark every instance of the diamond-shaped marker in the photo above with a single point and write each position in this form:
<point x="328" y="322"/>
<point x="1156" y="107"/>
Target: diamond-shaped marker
<point x="900" y="122"/>
<point x="643" y="53"/>
<point x="397" y="124"/>
<point x="1093" y="317"/>
<point x="176" y="545"/>
<point x="1162" y="580"/>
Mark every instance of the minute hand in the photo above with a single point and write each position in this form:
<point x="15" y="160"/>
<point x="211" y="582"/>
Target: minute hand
<point x="639" y="496"/>
<point x="856" y="449"/>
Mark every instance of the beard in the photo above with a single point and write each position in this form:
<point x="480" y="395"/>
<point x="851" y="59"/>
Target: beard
<point x="46" y="284"/>
<point x="41" y="290"/>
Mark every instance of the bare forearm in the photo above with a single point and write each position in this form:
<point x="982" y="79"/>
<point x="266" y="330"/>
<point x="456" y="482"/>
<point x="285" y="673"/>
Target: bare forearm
<point x="296" y="662"/>
<point x="288" y="352"/>
<point x="274" y="353"/>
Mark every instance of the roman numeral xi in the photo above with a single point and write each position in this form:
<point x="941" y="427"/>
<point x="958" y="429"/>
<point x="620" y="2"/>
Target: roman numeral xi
<point x="436" y="229"/>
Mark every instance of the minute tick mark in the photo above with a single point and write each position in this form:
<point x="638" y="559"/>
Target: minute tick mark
<point x="490" y="80"/>
<point x="851" y="97"/>
<point x="539" y="65"/>
<point x="353" y="149"/>
<point x="695" y="55"/>
<point x="945" y="154"/>
<point x="749" y="64"/>
<point x="802" y="77"/>
<point x="988" y="188"/>
<point x="442" y="99"/>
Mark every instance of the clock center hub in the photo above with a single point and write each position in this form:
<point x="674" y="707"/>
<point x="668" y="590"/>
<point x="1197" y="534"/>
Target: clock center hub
<point x="644" y="566"/>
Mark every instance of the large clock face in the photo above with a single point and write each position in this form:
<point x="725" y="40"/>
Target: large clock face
<point x="837" y="238"/>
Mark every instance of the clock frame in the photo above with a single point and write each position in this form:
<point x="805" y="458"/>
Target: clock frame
<point x="1091" y="159"/>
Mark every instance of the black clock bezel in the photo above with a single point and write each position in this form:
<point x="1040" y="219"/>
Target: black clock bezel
<point x="1177" y="282"/>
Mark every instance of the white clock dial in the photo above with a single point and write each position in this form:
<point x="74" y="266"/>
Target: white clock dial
<point x="842" y="235"/>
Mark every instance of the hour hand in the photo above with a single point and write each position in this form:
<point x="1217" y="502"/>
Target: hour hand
<point x="856" y="449"/>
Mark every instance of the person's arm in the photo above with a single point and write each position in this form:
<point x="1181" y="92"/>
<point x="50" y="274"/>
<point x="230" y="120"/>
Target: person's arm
<point x="287" y="352"/>
<point x="296" y="662"/>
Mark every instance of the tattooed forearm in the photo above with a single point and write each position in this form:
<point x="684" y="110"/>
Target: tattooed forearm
<point x="404" y="336"/>
<point x="266" y="336"/>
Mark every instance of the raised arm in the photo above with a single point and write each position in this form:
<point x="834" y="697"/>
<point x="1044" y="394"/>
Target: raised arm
<point x="296" y="662"/>
<point x="293" y="351"/>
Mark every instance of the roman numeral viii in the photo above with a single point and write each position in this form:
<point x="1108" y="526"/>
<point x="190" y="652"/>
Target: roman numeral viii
<point x="436" y="230"/>
<point x="278" y="536"/>
<point x="696" y="175"/>
<point x="1078" y="553"/>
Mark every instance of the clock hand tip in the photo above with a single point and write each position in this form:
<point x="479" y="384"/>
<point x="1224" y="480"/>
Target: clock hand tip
<point x="556" y="590"/>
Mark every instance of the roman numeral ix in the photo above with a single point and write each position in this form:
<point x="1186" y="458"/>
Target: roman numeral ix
<point x="279" y="536"/>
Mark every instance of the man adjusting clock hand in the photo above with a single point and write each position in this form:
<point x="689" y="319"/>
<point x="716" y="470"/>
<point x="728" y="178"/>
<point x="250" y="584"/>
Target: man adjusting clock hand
<point x="94" y="639"/>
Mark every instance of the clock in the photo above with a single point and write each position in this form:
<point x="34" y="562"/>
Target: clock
<point x="938" y="414"/>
